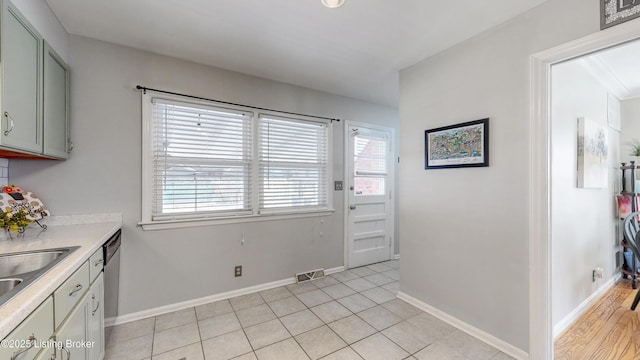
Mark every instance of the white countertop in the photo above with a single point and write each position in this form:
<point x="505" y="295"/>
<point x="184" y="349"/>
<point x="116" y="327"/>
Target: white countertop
<point x="61" y="232"/>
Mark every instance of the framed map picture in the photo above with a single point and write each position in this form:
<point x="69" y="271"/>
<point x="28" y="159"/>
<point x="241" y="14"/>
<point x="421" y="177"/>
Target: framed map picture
<point x="456" y="146"/>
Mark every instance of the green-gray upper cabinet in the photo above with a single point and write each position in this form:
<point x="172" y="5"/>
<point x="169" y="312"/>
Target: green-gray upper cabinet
<point x="20" y="57"/>
<point x="56" y="105"/>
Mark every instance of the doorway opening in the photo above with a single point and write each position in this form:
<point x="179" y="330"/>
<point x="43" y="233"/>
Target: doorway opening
<point x="541" y="216"/>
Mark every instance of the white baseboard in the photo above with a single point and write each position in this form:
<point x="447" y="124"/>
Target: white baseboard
<point x="334" y="270"/>
<point x="396" y="257"/>
<point x="205" y="300"/>
<point x="483" y="336"/>
<point x="563" y="324"/>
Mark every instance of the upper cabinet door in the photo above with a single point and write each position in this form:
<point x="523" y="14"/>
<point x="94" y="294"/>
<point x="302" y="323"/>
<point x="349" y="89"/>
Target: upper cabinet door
<point x="56" y="105"/>
<point x="21" y="51"/>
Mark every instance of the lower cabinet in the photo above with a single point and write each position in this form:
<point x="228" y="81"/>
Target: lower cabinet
<point x="70" y="336"/>
<point x="95" y="320"/>
<point x="24" y="342"/>
<point x="67" y="326"/>
<point x="82" y="333"/>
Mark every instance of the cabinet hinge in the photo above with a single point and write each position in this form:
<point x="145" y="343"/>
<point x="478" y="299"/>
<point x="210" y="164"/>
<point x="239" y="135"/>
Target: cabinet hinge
<point x="69" y="145"/>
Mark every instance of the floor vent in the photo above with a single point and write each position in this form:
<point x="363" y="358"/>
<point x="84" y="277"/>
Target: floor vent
<point x="310" y="275"/>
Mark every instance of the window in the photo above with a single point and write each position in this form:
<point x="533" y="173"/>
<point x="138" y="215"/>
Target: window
<point x="293" y="163"/>
<point x="204" y="162"/>
<point x="369" y="164"/>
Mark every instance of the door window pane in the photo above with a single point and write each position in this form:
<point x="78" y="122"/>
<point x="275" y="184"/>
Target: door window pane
<point x="370" y="165"/>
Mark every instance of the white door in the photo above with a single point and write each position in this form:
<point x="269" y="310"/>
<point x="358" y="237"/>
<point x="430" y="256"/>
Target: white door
<point x="369" y="199"/>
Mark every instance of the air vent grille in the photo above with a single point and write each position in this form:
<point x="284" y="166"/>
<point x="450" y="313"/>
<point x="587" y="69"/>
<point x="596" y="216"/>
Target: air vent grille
<point x="310" y="275"/>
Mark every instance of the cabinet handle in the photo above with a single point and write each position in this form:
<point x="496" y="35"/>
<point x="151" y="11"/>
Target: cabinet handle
<point x="93" y="298"/>
<point x="9" y="123"/>
<point x="68" y="352"/>
<point x="69" y="145"/>
<point x="32" y="341"/>
<point x="76" y="289"/>
<point x="98" y="262"/>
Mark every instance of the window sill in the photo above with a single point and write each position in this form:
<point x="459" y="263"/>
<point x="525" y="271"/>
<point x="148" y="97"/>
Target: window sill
<point x="186" y="223"/>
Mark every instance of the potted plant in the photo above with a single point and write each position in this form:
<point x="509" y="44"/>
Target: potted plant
<point x="634" y="145"/>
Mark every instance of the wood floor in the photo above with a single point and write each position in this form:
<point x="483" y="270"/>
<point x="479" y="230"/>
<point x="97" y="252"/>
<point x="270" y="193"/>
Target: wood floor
<point x="608" y="330"/>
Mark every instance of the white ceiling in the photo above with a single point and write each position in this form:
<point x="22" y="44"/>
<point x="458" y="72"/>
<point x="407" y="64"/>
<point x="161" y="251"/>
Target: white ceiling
<point x="355" y="50"/>
<point x="619" y="69"/>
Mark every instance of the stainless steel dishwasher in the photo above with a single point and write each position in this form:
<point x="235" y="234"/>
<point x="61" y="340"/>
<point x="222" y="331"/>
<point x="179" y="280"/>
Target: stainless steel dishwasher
<point x="111" y="254"/>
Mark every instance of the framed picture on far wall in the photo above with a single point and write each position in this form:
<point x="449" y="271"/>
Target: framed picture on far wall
<point x="593" y="152"/>
<point x="456" y="146"/>
<point x="614" y="12"/>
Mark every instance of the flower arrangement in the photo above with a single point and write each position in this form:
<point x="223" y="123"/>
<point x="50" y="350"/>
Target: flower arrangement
<point x="14" y="221"/>
<point x="15" y="218"/>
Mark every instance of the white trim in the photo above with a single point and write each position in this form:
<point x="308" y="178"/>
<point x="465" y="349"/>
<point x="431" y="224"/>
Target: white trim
<point x="186" y="223"/>
<point x="123" y="319"/>
<point x="563" y="324"/>
<point x="540" y="325"/>
<point x="391" y="184"/>
<point x="147" y="164"/>
<point x="483" y="336"/>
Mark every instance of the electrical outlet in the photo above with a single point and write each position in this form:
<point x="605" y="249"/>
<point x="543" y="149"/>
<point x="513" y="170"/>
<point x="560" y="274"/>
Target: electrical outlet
<point x="597" y="273"/>
<point x="238" y="270"/>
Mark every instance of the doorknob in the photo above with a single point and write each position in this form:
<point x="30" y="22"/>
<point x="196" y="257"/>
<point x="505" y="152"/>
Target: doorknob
<point x="352" y="207"/>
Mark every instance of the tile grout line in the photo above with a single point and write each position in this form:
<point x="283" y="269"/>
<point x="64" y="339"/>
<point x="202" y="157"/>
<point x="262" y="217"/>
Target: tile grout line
<point x="307" y="307"/>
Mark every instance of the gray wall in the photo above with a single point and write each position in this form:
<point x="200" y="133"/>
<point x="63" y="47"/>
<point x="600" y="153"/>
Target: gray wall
<point x="103" y="174"/>
<point x="583" y="220"/>
<point x="465" y="231"/>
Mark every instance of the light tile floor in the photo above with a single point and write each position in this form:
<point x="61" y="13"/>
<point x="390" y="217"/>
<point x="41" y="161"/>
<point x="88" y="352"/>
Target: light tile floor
<point x="349" y="315"/>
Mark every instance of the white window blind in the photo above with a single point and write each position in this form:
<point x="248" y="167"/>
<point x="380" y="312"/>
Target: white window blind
<point x="201" y="160"/>
<point x="293" y="164"/>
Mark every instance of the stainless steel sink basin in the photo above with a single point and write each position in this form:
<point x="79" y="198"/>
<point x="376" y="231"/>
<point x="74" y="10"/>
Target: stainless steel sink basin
<point x="7" y="285"/>
<point x="19" y="270"/>
<point x="13" y="264"/>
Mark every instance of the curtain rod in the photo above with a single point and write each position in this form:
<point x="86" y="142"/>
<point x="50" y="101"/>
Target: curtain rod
<point x="144" y="89"/>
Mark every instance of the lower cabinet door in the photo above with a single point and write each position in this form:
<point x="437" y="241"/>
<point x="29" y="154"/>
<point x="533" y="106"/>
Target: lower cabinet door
<point x="71" y="335"/>
<point x="24" y="342"/>
<point x="95" y="320"/>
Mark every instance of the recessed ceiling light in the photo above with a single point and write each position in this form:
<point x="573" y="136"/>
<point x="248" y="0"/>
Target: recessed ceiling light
<point x="332" y="3"/>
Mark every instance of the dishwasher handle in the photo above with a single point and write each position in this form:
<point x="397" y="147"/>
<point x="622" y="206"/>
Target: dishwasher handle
<point x="112" y="246"/>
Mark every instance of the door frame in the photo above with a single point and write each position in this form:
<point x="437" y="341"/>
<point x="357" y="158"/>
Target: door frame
<point x="392" y="183"/>
<point x="540" y="323"/>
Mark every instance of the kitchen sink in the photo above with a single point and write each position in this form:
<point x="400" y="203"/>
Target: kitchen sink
<point x="7" y="285"/>
<point x="13" y="264"/>
<point x="19" y="270"/>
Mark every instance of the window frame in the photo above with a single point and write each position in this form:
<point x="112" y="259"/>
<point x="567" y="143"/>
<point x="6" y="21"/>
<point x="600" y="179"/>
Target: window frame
<point x="148" y="223"/>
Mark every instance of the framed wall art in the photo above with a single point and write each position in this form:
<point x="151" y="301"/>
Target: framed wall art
<point x="614" y="12"/>
<point x="457" y="146"/>
<point x="593" y="152"/>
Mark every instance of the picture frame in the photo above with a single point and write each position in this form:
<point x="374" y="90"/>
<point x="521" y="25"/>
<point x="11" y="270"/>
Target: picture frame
<point x="614" y="12"/>
<point x="457" y="146"/>
<point x="592" y="154"/>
